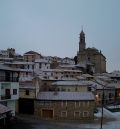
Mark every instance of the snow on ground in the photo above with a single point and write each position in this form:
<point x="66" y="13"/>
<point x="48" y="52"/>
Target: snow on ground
<point x="113" y="106"/>
<point x="115" y="124"/>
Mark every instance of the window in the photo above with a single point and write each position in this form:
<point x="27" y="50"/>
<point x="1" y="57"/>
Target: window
<point x="56" y="77"/>
<point x="45" y="77"/>
<point x="89" y="89"/>
<point x="64" y="114"/>
<point x="7" y="92"/>
<point x="32" y="66"/>
<point x="63" y="89"/>
<point x="66" y="75"/>
<point x="27" y="58"/>
<point x="85" y="114"/>
<point x="39" y="65"/>
<point x="14" y="91"/>
<point x="68" y="89"/>
<point x="110" y="95"/>
<point x="27" y="92"/>
<point x="76" y="89"/>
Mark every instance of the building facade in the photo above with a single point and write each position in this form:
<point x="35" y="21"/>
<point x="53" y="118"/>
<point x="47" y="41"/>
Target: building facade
<point x="30" y="56"/>
<point x="9" y="88"/>
<point x="65" y="106"/>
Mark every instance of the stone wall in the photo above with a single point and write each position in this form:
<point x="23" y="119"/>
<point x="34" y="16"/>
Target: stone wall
<point x="65" y="110"/>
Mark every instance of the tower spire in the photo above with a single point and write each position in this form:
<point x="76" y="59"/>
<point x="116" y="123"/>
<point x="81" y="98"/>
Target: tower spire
<point x="82" y="44"/>
<point x="82" y="27"/>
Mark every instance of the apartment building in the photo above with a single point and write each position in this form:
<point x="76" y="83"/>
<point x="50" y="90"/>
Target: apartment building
<point x="60" y="74"/>
<point x="9" y="87"/>
<point x="30" y="56"/>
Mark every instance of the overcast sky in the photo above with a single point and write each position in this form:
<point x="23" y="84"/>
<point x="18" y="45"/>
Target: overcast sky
<point x="52" y="27"/>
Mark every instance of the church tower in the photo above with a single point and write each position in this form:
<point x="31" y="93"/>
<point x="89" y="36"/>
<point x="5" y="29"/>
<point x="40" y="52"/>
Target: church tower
<point x="82" y="44"/>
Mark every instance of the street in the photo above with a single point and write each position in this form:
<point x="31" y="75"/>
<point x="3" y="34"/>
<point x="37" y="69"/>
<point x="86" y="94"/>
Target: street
<point x="111" y="121"/>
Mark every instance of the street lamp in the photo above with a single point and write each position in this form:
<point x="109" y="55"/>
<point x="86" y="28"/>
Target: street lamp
<point x="102" y="107"/>
<point x="102" y="102"/>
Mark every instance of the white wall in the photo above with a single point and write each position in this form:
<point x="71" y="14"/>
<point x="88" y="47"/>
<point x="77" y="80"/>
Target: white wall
<point x="15" y="85"/>
<point x="11" y="105"/>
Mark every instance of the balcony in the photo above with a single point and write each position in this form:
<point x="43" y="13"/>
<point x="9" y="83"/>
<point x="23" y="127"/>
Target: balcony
<point x="8" y="79"/>
<point x="4" y="97"/>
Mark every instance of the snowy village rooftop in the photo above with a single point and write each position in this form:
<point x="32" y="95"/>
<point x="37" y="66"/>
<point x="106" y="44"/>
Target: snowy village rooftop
<point x="72" y="83"/>
<point x="65" y="96"/>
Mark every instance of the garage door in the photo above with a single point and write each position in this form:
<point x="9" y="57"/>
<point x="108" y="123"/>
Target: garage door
<point x="26" y="106"/>
<point x="47" y="114"/>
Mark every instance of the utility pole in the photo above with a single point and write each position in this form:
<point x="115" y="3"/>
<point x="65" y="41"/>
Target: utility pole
<point x="102" y="104"/>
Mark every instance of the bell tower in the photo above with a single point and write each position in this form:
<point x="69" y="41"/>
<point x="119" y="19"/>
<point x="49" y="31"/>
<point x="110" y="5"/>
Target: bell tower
<point x="82" y="44"/>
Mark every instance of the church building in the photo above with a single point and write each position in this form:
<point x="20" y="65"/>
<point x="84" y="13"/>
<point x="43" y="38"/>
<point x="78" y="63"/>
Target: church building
<point x="92" y="58"/>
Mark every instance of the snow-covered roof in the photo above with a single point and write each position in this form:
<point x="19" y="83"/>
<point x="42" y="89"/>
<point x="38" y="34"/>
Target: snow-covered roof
<point x="6" y="58"/>
<point x="60" y="70"/>
<point x="22" y="79"/>
<point x="19" y="62"/>
<point x="54" y="79"/>
<point x="87" y="75"/>
<point x="72" y="83"/>
<point x="3" y="67"/>
<point x="98" y="84"/>
<point x="67" y="66"/>
<point x="83" y="65"/>
<point x="115" y="74"/>
<point x="80" y="78"/>
<point x="65" y="96"/>
<point x="31" y="53"/>
<point x="26" y="70"/>
<point x="41" y="61"/>
<point x="114" y="85"/>
<point x="4" y="109"/>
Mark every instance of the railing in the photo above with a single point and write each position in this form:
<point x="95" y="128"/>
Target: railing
<point x="8" y="79"/>
<point x="3" y="97"/>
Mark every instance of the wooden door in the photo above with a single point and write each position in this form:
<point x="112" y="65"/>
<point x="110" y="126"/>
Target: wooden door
<point x="47" y="114"/>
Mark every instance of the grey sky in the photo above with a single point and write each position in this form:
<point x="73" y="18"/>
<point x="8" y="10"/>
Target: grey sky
<point x="52" y="27"/>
